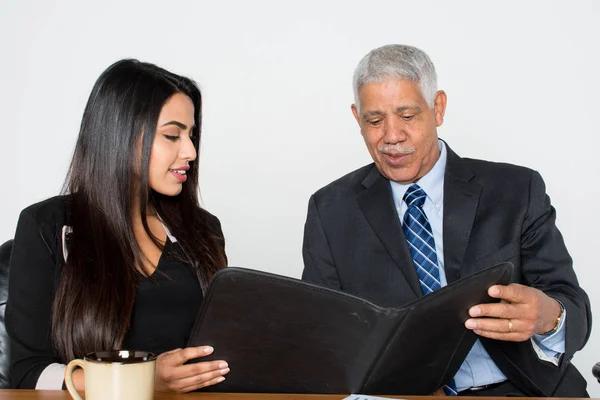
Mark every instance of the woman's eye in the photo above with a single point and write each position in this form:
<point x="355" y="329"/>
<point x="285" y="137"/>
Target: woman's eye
<point x="172" y="138"/>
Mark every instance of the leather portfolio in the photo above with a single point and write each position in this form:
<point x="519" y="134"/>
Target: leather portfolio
<point x="282" y="335"/>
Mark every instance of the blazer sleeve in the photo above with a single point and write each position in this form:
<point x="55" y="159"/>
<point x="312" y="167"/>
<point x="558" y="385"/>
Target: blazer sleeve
<point x="547" y="266"/>
<point x="319" y="265"/>
<point x="30" y="296"/>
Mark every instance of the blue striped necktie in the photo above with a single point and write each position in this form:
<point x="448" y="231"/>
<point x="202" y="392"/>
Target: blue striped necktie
<point x="422" y="248"/>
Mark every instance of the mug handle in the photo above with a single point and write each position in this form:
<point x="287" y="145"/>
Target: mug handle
<point x="69" y="378"/>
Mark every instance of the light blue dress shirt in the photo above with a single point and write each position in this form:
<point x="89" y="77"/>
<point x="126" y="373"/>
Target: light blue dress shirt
<point x="478" y="369"/>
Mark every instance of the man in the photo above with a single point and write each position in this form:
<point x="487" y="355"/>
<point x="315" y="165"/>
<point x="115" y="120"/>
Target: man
<point x="421" y="217"/>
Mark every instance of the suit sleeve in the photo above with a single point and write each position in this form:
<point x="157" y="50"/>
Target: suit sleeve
<point x="319" y="266"/>
<point x="547" y="266"/>
<point x="30" y="296"/>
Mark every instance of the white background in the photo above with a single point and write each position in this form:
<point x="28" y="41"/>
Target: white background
<point x="521" y="78"/>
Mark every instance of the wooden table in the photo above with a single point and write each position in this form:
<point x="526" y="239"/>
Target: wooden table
<point x="64" y="395"/>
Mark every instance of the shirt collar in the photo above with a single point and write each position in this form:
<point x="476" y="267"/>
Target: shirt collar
<point x="172" y="238"/>
<point x="432" y="182"/>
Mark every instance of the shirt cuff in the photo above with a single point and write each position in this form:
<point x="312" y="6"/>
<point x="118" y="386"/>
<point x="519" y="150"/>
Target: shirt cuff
<point x="52" y="377"/>
<point x="551" y="345"/>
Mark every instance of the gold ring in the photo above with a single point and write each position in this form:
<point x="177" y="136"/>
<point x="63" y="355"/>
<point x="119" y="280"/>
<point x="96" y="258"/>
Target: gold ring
<point x="509" y="325"/>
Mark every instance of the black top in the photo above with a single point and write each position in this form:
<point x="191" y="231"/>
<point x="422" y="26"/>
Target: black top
<point x="35" y="266"/>
<point x="165" y="308"/>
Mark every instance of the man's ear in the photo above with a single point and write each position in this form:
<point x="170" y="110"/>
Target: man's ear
<point x="439" y="107"/>
<point x="355" y="112"/>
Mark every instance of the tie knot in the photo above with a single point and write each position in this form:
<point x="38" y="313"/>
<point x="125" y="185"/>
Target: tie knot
<point x="415" y="196"/>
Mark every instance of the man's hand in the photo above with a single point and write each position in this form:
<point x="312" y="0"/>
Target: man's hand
<point x="173" y="375"/>
<point x="522" y="312"/>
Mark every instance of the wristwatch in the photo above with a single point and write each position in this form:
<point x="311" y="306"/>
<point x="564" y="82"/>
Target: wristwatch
<point x="560" y="315"/>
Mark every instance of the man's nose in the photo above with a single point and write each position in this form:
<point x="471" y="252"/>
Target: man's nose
<point x="394" y="131"/>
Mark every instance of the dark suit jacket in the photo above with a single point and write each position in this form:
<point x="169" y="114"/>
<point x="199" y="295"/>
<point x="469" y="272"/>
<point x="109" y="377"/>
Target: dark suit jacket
<point x="353" y="241"/>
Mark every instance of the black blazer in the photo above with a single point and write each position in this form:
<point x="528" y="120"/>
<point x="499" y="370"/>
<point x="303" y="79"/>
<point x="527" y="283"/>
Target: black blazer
<point x="35" y="265"/>
<point x="353" y="241"/>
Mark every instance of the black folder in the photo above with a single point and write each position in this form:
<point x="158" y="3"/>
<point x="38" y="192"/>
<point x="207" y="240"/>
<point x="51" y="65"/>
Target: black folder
<point x="282" y="335"/>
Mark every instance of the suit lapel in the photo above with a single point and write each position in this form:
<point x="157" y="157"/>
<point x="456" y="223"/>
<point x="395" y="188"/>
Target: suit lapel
<point x="461" y="198"/>
<point x="377" y="204"/>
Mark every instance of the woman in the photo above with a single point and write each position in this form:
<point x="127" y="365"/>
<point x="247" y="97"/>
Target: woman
<point x="119" y="261"/>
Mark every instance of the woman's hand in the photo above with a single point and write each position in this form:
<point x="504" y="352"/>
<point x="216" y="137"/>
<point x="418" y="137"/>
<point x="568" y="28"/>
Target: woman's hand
<point x="173" y="376"/>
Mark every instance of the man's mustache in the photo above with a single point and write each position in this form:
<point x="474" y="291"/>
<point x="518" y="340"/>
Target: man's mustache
<point x="396" y="148"/>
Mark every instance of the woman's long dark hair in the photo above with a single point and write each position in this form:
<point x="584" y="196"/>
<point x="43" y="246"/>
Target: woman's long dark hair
<point x="96" y="290"/>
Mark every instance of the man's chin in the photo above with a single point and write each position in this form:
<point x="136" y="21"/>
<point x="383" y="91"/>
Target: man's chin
<point x="403" y="176"/>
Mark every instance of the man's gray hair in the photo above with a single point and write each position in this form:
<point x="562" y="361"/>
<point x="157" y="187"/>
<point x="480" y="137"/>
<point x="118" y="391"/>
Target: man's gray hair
<point x="396" y="61"/>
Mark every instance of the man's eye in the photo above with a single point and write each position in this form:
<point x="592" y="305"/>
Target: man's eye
<point x="375" y="122"/>
<point x="172" y="138"/>
<point x="407" y="117"/>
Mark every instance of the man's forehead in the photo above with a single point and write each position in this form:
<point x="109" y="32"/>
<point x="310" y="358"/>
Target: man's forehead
<point x="402" y="92"/>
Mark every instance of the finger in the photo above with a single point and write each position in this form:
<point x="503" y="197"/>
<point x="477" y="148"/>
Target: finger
<point x="496" y="310"/>
<point x="509" y="337"/>
<point x="197" y="369"/>
<point x="513" y="293"/>
<point x="203" y="385"/>
<point x="500" y="325"/>
<point x="202" y="380"/>
<point x="170" y="352"/>
<point x="189" y="353"/>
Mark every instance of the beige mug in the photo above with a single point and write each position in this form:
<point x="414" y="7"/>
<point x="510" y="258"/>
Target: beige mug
<point x="114" y="375"/>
